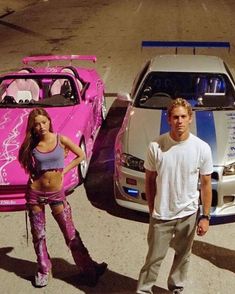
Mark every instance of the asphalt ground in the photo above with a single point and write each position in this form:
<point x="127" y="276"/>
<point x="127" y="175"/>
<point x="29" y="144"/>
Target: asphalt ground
<point x="113" y="31"/>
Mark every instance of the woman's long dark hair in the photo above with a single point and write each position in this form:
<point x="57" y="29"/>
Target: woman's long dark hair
<point x="31" y="140"/>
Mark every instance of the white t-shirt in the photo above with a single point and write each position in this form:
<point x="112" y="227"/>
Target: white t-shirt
<point x="178" y="165"/>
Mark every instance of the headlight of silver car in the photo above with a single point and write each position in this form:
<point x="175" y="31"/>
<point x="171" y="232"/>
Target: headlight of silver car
<point x="132" y="162"/>
<point x="229" y="170"/>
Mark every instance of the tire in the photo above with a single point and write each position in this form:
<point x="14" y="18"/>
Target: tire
<point x="83" y="166"/>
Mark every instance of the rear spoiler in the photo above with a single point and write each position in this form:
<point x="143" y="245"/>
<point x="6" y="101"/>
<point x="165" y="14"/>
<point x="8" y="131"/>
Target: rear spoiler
<point x="186" y="44"/>
<point x="48" y="58"/>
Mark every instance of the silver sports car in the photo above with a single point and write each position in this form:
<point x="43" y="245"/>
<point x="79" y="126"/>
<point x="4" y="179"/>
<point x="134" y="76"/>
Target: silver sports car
<point x="207" y="83"/>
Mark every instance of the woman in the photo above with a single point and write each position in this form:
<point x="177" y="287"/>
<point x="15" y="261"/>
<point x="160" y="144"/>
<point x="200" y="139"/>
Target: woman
<point x="42" y="156"/>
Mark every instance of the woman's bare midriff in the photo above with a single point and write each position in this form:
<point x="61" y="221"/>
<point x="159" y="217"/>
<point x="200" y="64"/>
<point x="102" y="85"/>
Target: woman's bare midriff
<point x="49" y="181"/>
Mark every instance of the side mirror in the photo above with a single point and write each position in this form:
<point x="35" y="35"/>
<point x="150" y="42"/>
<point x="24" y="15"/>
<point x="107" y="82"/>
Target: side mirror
<point x="124" y="97"/>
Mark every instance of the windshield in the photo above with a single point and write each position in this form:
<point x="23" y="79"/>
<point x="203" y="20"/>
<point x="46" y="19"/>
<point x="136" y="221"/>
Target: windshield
<point x="200" y="89"/>
<point x="29" y="91"/>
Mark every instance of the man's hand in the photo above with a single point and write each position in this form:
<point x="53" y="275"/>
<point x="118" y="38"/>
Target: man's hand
<point x="202" y="226"/>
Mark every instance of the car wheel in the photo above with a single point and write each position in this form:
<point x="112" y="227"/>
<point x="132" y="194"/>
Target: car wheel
<point x="83" y="166"/>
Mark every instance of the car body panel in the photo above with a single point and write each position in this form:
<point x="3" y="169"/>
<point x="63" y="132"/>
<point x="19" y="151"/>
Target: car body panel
<point x="151" y="123"/>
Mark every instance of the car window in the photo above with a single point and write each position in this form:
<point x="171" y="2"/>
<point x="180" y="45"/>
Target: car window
<point x="28" y="91"/>
<point x="200" y="89"/>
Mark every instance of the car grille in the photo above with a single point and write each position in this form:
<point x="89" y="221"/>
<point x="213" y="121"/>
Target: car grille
<point x="215" y="176"/>
<point x="214" y="198"/>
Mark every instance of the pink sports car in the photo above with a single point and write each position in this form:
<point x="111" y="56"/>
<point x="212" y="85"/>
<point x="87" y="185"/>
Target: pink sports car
<point x="74" y="98"/>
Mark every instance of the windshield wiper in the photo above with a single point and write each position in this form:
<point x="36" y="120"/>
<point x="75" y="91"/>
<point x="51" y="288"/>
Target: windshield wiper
<point x="206" y="108"/>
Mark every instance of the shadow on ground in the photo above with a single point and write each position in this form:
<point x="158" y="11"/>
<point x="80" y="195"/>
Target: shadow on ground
<point x="221" y="257"/>
<point x="99" y="181"/>
<point x="110" y="282"/>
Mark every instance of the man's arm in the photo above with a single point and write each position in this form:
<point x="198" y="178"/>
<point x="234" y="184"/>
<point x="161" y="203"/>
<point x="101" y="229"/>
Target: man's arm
<point x="150" y="188"/>
<point x="206" y="198"/>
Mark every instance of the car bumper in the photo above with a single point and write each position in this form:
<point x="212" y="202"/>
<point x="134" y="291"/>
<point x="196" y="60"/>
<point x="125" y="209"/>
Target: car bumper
<point x="129" y="189"/>
<point x="12" y="202"/>
<point x="133" y="196"/>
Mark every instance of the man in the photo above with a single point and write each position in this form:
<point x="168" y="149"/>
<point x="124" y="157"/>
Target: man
<point x="173" y="165"/>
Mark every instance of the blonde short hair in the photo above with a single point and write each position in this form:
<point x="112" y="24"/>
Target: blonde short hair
<point x="177" y="103"/>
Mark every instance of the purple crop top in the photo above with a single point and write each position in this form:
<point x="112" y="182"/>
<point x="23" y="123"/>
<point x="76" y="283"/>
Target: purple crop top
<point x="53" y="159"/>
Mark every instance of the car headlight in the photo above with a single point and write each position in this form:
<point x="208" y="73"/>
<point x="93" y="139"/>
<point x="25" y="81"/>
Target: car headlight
<point x="132" y="162"/>
<point x="229" y="170"/>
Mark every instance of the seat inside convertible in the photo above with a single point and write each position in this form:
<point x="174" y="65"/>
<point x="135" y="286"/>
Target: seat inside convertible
<point x="23" y="90"/>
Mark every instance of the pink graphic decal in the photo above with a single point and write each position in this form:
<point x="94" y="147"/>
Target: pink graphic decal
<point x="10" y="144"/>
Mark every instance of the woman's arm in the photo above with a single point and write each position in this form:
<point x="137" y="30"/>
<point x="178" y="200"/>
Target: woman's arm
<point x="71" y="146"/>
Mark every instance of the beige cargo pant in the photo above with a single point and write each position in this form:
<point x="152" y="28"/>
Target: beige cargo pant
<point x="178" y="233"/>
